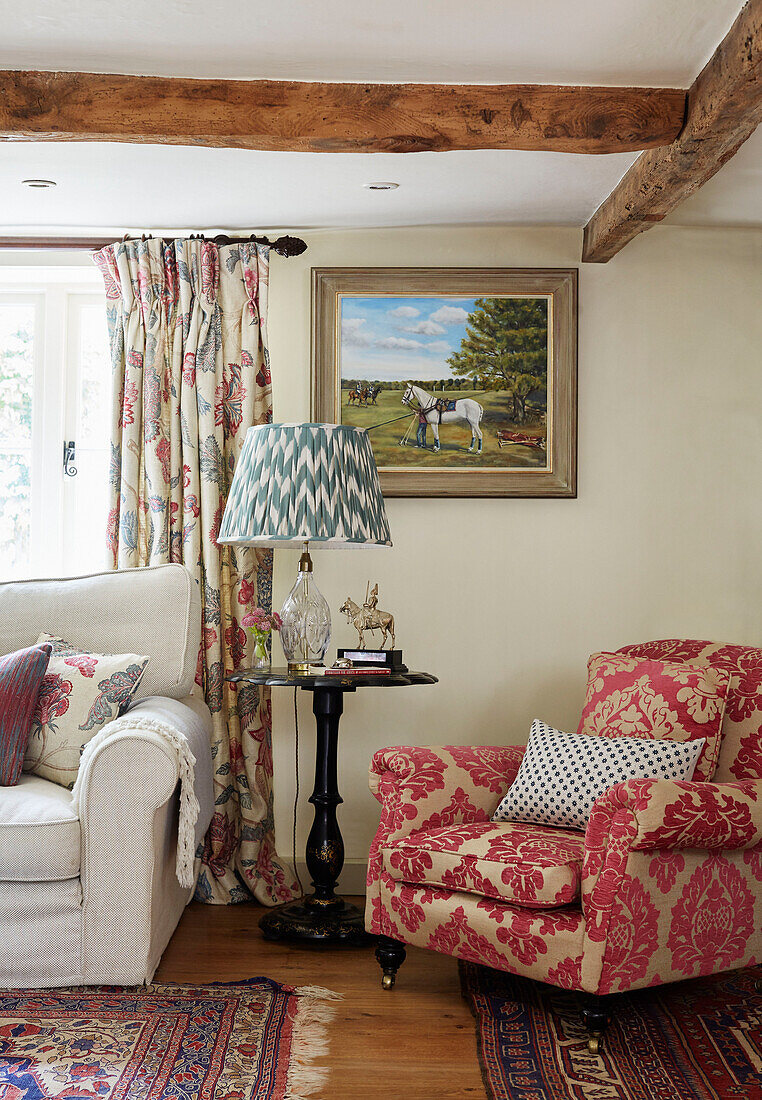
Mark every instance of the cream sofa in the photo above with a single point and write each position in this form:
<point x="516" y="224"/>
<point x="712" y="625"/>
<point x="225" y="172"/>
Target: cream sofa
<point x="93" y="898"/>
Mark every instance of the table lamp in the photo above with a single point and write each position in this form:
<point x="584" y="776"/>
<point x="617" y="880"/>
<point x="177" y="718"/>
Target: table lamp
<point x="305" y="484"/>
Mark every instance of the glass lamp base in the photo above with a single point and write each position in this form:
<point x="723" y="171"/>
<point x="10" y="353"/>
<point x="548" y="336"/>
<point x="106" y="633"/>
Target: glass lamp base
<point x="306" y="629"/>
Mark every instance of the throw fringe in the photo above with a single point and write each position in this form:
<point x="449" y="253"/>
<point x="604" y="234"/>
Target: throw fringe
<point x="186" y="762"/>
<point x="314" y="1012"/>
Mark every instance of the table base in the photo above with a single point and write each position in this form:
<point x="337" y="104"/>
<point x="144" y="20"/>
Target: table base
<point x="301" y="922"/>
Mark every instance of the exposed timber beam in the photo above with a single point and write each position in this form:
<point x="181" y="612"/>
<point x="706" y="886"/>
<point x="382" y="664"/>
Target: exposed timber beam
<point x="364" y="118"/>
<point x="724" y="109"/>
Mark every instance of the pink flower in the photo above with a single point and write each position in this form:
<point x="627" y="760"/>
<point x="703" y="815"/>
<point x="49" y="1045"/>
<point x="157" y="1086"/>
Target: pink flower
<point x="261" y="621"/>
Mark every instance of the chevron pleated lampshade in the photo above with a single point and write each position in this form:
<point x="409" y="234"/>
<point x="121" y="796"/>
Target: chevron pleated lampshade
<point x="306" y="482"/>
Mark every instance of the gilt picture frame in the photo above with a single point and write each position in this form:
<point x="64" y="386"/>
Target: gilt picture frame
<point x="464" y="378"/>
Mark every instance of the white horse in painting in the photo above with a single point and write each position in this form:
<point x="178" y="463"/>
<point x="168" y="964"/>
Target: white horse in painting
<point x="465" y="409"/>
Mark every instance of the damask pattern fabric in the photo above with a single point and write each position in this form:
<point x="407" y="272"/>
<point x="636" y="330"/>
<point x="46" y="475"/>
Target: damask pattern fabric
<point x="656" y="911"/>
<point x="741" y="749"/>
<point x="80" y="693"/>
<point x="422" y="788"/>
<point x="191" y="374"/>
<point x="21" y="678"/>
<point x="562" y="774"/>
<point x="525" y="864"/>
<point x="632" y="697"/>
<point x="545" y="944"/>
<point x="671" y="878"/>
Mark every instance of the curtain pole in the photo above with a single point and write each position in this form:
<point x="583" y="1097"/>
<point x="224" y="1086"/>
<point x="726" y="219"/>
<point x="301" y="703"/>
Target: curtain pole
<point x="285" y="246"/>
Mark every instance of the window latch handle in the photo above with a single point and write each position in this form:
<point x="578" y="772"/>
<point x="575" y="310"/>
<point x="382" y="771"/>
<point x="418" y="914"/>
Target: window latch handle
<point x="69" y="458"/>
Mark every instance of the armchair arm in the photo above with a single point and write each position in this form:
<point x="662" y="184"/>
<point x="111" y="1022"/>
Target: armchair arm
<point x="679" y="814"/>
<point x="427" y="787"/>
<point x="650" y="858"/>
<point x="644" y="815"/>
<point x="673" y="813"/>
<point x="128" y="813"/>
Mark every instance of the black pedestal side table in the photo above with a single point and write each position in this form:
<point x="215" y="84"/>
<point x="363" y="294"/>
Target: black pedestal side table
<point x="323" y="917"/>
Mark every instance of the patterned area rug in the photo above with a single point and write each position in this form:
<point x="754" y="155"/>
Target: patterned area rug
<point x="252" y="1040"/>
<point x="694" y="1040"/>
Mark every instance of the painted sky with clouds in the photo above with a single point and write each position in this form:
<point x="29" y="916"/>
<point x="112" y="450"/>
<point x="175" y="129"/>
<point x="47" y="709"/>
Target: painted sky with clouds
<point x="401" y="338"/>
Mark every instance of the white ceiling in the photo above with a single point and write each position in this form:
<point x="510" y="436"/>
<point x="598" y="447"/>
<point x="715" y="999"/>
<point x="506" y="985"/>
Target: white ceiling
<point x="479" y="41"/>
<point x="117" y="187"/>
<point x="131" y="186"/>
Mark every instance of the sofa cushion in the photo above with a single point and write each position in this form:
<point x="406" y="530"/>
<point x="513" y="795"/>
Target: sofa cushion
<point x="629" y="696"/>
<point x="39" y="832"/>
<point x="532" y="865"/>
<point x="21" y="677"/>
<point x="81" y="693"/>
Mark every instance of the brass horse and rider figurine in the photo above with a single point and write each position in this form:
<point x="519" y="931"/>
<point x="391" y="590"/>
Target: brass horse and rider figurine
<point x="368" y="617"/>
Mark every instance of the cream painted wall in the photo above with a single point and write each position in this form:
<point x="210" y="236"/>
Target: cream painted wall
<point x="505" y="599"/>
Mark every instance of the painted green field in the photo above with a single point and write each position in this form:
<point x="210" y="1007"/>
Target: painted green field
<point x="455" y="438"/>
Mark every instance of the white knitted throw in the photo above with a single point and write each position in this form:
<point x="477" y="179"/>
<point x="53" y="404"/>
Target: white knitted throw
<point x="189" y="807"/>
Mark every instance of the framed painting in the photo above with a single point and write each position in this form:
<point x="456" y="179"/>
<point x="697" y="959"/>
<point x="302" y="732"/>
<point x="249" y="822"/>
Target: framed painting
<point x="464" y="379"/>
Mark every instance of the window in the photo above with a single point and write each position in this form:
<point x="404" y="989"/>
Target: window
<point x="55" y="388"/>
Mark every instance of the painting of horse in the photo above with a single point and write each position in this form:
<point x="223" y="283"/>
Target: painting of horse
<point x="452" y="384"/>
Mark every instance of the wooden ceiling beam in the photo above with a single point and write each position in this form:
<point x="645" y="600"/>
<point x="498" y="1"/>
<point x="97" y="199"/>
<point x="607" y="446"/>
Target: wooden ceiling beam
<point x="359" y="118"/>
<point x="724" y="109"/>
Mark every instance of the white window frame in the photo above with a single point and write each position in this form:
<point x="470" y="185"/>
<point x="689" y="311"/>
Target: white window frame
<point x="58" y="293"/>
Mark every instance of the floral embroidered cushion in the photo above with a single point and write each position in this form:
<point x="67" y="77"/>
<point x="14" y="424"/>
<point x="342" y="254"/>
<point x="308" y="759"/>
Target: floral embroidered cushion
<point x="21" y="677"/>
<point x="562" y="774"/>
<point x="80" y="694"/>
<point x="631" y="697"/>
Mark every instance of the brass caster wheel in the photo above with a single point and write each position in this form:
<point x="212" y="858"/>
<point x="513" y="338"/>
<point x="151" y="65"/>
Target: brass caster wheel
<point x="387" y="981"/>
<point x="594" y="1044"/>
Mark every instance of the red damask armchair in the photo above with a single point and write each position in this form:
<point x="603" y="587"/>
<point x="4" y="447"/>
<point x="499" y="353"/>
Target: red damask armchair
<point x="665" y="884"/>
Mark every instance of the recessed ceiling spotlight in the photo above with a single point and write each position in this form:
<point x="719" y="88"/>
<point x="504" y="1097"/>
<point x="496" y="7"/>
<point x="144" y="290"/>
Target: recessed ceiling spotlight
<point x="381" y="186"/>
<point x="39" y="183"/>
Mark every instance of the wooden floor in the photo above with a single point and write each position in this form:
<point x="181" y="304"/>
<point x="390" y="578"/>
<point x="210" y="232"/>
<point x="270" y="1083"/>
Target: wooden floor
<point x="415" y="1042"/>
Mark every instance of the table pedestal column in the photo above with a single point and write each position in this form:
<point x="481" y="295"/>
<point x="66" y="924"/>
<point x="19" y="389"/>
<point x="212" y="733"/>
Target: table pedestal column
<point x="323" y="917"/>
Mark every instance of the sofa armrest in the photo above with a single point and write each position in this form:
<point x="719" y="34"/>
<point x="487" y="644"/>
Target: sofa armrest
<point x="426" y="787"/>
<point x="128" y="810"/>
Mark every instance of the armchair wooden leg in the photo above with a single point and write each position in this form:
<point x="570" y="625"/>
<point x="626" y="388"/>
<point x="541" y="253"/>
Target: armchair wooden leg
<point x="596" y="1016"/>
<point x="390" y="954"/>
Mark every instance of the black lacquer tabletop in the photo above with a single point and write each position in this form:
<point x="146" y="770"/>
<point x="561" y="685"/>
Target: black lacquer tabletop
<point x="281" y="677"/>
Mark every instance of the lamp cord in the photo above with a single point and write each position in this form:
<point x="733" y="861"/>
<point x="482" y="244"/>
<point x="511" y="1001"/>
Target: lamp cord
<point x="296" y="795"/>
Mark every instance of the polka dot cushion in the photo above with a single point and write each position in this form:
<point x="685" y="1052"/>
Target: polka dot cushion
<point x="562" y="774"/>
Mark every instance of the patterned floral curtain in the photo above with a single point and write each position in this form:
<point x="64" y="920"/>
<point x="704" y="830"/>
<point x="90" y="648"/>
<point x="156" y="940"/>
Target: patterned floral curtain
<point x="187" y="321"/>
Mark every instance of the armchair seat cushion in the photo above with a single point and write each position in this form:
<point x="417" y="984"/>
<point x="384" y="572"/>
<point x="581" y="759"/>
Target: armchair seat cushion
<point x="529" y="865"/>
<point x="39" y="832"/>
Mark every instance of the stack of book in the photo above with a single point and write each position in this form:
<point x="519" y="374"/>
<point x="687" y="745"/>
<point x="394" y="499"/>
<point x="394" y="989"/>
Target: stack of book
<point x="363" y="671"/>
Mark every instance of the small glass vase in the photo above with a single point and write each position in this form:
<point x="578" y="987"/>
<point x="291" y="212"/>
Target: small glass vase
<point x="261" y="659"/>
